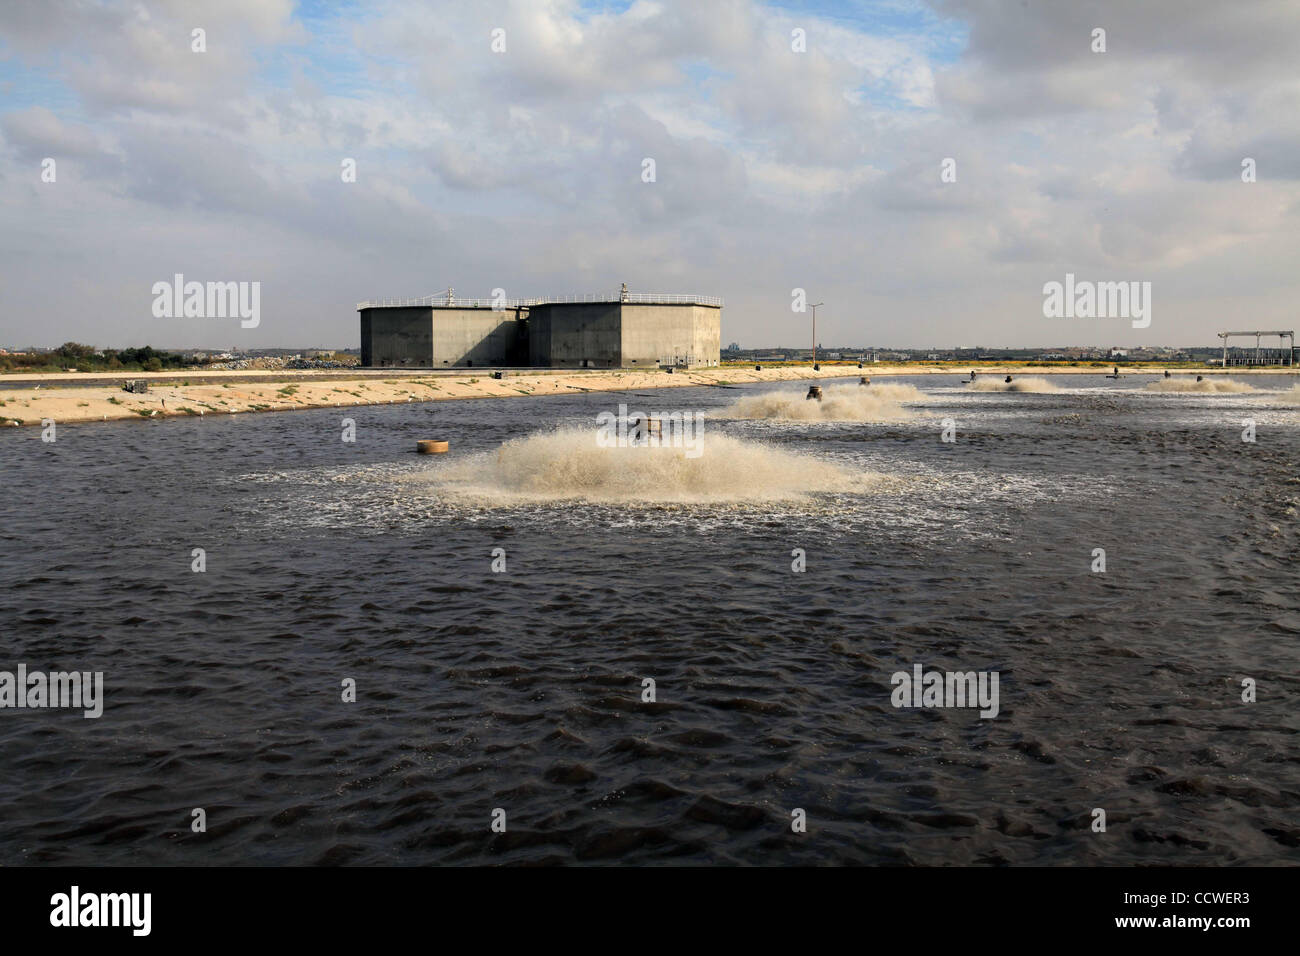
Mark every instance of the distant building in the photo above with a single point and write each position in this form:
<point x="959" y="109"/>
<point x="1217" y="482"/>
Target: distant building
<point x="425" y="335"/>
<point x="626" y="330"/>
<point x="638" y="332"/>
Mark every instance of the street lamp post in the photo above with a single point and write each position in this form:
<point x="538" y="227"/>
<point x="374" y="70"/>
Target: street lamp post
<point x="814" y="330"/>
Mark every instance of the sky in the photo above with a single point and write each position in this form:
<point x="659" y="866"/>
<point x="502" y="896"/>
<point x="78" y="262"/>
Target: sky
<point x="795" y="146"/>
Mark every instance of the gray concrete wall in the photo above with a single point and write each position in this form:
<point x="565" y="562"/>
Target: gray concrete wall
<point x="479" y="337"/>
<point x="425" y="337"/>
<point x="574" y="335"/>
<point x="670" y="335"/>
<point x="708" y="334"/>
<point x="397" y="337"/>
<point x="556" y="335"/>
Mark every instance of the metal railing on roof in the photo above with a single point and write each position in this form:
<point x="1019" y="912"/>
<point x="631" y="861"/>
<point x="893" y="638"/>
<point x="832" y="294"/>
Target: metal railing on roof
<point x="442" y="300"/>
<point x="456" y="302"/>
<point x="638" y="298"/>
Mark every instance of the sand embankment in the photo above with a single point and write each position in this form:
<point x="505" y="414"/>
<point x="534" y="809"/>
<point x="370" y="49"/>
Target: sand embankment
<point x="209" y="393"/>
<point x="27" y="399"/>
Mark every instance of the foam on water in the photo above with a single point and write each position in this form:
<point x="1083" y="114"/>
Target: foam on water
<point x="840" y="403"/>
<point x="1208" y="385"/>
<point x="1290" y="397"/>
<point x="1015" y="385"/>
<point x="569" y="465"/>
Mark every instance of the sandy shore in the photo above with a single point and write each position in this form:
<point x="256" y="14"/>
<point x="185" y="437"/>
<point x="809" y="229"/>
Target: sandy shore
<point x="28" y="399"/>
<point x="200" y="393"/>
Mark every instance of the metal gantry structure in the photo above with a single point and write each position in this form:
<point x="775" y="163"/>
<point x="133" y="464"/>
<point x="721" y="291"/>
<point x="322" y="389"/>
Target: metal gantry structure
<point x="1285" y="353"/>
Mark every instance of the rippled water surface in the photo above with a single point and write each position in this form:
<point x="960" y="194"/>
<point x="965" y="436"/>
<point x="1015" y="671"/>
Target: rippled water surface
<point x="522" y="690"/>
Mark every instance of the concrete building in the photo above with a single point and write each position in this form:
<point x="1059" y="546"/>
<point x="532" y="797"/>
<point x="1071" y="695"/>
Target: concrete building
<point x="625" y="330"/>
<point x="646" y="333"/>
<point x="452" y="332"/>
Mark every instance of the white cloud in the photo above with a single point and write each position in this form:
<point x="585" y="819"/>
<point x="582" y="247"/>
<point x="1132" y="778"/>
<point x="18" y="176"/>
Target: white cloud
<point x="774" y="168"/>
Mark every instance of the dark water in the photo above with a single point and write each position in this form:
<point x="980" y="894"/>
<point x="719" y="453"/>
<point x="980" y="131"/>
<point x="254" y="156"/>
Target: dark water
<point x="522" y="691"/>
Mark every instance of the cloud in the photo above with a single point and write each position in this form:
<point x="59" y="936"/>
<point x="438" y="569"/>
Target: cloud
<point x="36" y="133"/>
<point x="774" y="168"/>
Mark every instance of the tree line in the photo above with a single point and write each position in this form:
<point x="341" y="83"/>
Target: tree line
<point x="86" y="358"/>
